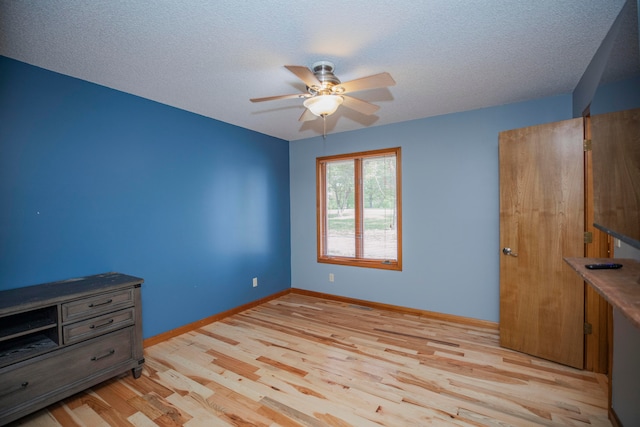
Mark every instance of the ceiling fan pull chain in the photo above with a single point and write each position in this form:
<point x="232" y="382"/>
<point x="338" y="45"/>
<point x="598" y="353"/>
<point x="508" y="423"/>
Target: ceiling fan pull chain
<point x="324" y="127"/>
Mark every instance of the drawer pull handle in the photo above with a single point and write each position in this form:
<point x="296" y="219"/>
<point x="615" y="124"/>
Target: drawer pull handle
<point x="102" y="325"/>
<point x="110" y="353"/>
<point x="15" y="389"/>
<point x="109" y="301"/>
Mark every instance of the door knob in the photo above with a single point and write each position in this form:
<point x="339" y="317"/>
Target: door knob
<point x="507" y="251"/>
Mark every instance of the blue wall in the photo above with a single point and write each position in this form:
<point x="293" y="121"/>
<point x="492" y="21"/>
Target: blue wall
<point x="584" y="92"/>
<point x="450" y="209"/>
<point x="450" y="204"/>
<point x="617" y="96"/>
<point x="95" y="180"/>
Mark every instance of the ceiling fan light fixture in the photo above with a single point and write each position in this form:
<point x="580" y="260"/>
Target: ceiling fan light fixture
<point x="323" y="105"/>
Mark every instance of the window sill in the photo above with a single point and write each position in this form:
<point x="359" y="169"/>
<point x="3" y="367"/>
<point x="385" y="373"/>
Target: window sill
<point x="365" y="263"/>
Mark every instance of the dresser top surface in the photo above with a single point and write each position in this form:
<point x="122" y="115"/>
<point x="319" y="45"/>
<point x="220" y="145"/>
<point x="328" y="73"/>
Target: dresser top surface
<point x="53" y="292"/>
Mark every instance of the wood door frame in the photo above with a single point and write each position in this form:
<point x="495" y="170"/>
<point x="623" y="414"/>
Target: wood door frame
<point x="596" y="308"/>
<point x="597" y="343"/>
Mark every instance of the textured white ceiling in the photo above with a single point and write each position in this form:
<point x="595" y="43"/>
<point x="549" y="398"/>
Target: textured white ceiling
<point x="210" y="57"/>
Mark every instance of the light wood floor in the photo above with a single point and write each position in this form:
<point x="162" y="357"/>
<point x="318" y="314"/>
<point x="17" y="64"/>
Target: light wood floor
<point x="304" y="361"/>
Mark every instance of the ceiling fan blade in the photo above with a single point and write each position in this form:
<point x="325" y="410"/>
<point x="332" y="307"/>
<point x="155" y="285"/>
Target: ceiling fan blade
<point x="307" y="116"/>
<point x="304" y="74"/>
<point x="371" y="82"/>
<point x="273" y="98"/>
<point x="359" y="105"/>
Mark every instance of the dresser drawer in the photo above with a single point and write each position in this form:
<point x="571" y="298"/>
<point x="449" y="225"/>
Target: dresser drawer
<point x="97" y="326"/>
<point x="97" y="304"/>
<point x="38" y="378"/>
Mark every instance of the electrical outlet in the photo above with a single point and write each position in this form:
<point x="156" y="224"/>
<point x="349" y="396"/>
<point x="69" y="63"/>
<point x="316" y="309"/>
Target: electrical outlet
<point x="331" y="278"/>
<point x="255" y="282"/>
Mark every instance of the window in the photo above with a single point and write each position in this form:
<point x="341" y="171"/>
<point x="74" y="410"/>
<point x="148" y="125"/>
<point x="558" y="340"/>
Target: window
<point x="359" y="209"/>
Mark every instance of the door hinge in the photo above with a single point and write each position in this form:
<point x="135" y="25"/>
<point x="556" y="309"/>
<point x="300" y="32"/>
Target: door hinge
<point x="586" y="145"/>
<point x="588" y="329"/>
<point x="588" y="237"/>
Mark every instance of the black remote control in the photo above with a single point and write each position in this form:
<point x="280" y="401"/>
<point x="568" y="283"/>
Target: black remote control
<point x="603" y="266"/>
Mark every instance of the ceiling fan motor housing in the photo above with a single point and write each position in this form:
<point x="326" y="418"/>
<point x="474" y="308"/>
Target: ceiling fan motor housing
<point x="323" y="70"/>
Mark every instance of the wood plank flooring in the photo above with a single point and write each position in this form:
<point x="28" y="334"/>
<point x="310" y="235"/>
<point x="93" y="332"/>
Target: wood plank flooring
<point x="305" y="361"/>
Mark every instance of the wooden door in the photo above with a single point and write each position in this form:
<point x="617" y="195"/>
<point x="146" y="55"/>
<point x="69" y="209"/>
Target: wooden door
<point x="616" y="172"/>
<point x="542" y="221"/>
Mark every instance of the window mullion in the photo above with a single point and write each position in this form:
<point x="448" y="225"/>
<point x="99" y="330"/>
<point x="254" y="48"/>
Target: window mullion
<point x="359" y="215"/>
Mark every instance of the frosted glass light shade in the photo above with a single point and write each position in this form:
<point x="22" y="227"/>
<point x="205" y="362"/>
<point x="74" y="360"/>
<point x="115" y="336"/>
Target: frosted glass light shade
<point x="323" y="105"/>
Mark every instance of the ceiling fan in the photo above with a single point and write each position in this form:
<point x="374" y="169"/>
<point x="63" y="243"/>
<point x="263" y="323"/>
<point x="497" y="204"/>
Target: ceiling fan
<point x="325" y="92"/>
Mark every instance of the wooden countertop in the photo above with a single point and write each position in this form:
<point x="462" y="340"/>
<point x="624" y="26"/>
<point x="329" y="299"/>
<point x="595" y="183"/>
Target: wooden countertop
<point x="620" y="287"/>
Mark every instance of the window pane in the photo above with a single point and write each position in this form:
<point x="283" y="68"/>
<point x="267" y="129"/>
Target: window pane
<point x="341" y="225"/>
<point x="359" y="209"/>
<point x="379" y="208"/>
